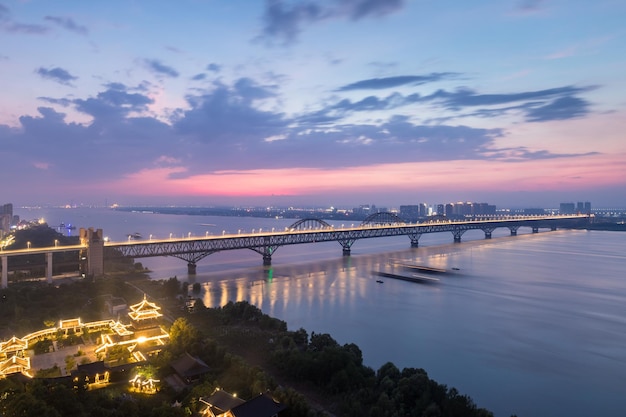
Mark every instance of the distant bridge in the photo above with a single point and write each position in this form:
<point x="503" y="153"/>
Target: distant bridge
<point x="192" y="249"/>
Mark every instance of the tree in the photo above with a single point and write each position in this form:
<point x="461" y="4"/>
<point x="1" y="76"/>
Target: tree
<point x="183" y="336"/>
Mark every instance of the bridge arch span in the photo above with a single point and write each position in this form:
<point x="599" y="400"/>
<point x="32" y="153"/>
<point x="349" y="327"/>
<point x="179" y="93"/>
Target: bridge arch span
<point x="309" y="223"/>
<point x="383" y="218"/>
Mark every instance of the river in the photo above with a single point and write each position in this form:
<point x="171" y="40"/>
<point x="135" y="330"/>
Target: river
<point x="533" y="325"/>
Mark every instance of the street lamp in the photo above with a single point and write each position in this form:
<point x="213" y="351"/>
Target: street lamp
<point x="28" y="245"/>
<point x="56" y="243"/>
<point x="170" y="236"/>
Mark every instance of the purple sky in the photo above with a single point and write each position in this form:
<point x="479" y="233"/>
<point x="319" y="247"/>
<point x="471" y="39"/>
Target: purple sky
<point x="329" y="102"/>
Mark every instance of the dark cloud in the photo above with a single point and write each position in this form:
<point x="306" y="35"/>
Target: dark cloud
<point x="540" y="105"/>
<point x="227" y="115"/>
<point x="358" y="9"/>
<point x="68" y="23"/>
<point x="214" y="67"/>
<point x="4" y="12"/>
<point x="56" y="74"/>
<point x="529" y="6"/>
<point x="157" y="67"/>
<point x="199" y="77"/>
<point x="466" y="97"/>
<point x="115" y="104"/>
<point x="562" y="108"/>
<point x="284" y="21"/>
<point x="232" y="127"/>
<point x="390" y="82"/>
<point x="7" y="24"/>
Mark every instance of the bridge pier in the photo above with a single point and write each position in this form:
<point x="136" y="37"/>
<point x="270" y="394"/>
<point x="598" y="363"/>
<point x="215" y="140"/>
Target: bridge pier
<point x="513" y="230"/>
<point x="191" y="268"/>
<point x="487" y="235"/>
<point x="5" y="272"/>
<point x="267" y="259"/>
<point x="535" y="230"/>
<point x="49" y="267"/>
<point x="415" y="239"/>
<point x="457" y="233"/>
<point x="94" y="252"/>
<point x="346" y="251"/>
<point x="553" y="228"/>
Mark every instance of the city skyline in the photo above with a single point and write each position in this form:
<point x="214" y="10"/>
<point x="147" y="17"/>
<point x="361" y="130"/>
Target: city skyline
<point x="335" y="102"/>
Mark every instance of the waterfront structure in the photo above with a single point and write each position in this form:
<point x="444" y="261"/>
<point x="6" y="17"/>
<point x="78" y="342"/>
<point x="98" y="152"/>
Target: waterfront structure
<point x="192" y="249"/>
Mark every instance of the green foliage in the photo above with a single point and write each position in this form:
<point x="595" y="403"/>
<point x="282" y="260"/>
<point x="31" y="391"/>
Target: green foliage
<point x="184" y="337"/>
<point x="338" y="371"/>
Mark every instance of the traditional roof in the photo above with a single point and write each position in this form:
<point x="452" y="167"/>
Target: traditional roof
<point x="14" y="364"/>
<point x="260" y="406"/>
<point x="70" y="324"/>
<point x="120" y="329"/>
<point x="221" y="401"/>
<point x="188" y="366"/>
<point x="13" y="344"/>
<point x="92" y="368"/>
<point x="144" y="310"/>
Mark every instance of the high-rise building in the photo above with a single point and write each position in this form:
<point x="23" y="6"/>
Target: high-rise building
<point x="567" y="208"/>
<point x="6" y="218"/>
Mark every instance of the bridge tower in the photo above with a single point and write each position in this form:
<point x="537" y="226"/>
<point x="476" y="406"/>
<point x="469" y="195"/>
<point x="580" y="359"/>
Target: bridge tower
<point x="94" y="252"/>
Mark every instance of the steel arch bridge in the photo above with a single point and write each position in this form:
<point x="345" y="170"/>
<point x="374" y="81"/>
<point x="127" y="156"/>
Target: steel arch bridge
<point x="311" y="230"/>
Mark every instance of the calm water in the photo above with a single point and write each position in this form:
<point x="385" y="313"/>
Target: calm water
<point x="533" y="325"/>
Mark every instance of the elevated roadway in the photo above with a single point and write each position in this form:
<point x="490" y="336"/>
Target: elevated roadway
<point x="93" y="249"/>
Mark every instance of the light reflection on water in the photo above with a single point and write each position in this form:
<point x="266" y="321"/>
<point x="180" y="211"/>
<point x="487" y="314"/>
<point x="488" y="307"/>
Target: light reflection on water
<point x="533" y="325"/>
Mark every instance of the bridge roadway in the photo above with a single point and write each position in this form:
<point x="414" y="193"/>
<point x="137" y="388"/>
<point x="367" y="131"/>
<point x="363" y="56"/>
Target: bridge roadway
<point x="192" y="249"/>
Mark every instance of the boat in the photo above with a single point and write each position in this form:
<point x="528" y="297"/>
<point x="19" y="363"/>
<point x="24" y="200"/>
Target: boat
<point x="380" y="281"/>
<point x="417" y="278"/>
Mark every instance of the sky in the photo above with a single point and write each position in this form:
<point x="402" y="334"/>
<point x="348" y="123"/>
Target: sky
<point x="517" y="103"/>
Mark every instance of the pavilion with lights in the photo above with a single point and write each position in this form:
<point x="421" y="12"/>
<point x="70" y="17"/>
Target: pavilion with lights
<point x="143" y="336"/>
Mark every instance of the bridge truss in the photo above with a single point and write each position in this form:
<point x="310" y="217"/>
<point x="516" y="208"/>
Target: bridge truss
<point x="312" y="230"/>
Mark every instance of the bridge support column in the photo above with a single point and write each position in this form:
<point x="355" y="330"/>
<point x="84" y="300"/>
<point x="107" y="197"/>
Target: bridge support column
<point x="457" y="235"/>
<point x="535" y="230"/>
<point x="191" y="268"/>
<point x="553" y="228"/>
<point x="49" y="267"/>
<point x="513" y="230"/>
<point x="487" y="235"/>
<point x="267" y="259"/>
<point x="346" y="251"/>
<point x="415" y="239"/>
<point x="5" y="272"/>
<point x="95" y="250"/>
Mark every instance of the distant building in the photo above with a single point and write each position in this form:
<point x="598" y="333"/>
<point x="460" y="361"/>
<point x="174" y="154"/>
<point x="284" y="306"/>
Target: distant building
<point x="533" y="211"/>
<point x="412" y="213"/>
<point x="567" y="208"/>
<point x="6" y="218"/>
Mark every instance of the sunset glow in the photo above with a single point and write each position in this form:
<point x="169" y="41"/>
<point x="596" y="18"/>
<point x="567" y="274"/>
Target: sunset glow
<point x="402" y="101"/>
